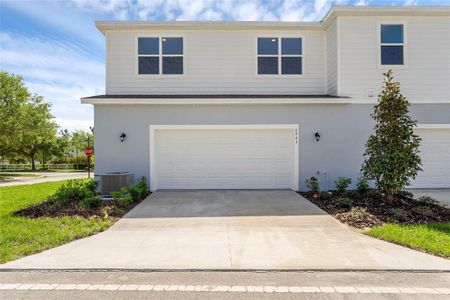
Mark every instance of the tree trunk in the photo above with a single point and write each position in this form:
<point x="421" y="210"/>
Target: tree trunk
<point x="43" y="158"/>
<point x="33" y="163"/>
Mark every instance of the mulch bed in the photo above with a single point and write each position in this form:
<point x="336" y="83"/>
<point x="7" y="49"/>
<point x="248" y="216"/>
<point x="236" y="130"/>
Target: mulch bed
<point x="371" y="209"/>
<point x="107" y="209"/>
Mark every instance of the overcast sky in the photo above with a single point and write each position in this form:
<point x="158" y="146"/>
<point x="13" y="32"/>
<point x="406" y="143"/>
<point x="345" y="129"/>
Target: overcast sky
<point x="55" y="46"/>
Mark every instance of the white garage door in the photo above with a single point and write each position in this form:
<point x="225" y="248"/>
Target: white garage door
<point x="435" y="153"/>
<point x="224" y="158"/>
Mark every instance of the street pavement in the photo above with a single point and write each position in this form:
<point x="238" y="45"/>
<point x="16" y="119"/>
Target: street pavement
<point x="43" y="177"/>
<point x="224" y="285"/>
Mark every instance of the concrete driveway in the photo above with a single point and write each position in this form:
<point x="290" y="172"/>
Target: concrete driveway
<point x="229" y="230"/>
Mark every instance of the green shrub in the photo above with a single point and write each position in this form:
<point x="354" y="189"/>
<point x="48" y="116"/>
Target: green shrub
<point x="92" y="201"/>
<point x="312" y="184"/>
<point x="344" y="202"/>
<point x="123" y="195"/>
<point x="132" y="192"/>
<point x="400" y="214"/>
<point x="135" y="192"/>
<point x="423" y="211"/>
<point x="112" y="211"/>
<point x="405" y="194"/>
<point x="374" y="194"/>
<point x="428" y="200"/>
<point x="142" y="186"/>
<point x="342" y="184"/>
<point x="325" y="195"/>
<point x="362" y="185"/>
<point x="75" y="189"/>
<point x="358" y="213"/>
<point x="353" y="194"/>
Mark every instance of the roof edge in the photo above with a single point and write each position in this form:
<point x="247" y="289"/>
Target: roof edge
<point x="333" y="12"/>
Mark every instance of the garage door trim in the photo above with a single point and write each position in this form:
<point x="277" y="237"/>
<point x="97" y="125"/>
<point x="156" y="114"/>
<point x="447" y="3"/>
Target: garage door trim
<point x="154" y="128"/>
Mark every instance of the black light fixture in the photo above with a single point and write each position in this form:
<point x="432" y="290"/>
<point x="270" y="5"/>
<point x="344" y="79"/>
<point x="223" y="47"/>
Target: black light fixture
<point x="317" y="136"/>
<point x="122" y="137"/>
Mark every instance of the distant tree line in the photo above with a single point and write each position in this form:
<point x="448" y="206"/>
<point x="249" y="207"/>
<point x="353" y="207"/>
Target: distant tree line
<point x="28" y="132"/>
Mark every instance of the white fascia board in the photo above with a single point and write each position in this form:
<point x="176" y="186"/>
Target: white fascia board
<point x="104" y="26"/>
<point x="206" y="101"/>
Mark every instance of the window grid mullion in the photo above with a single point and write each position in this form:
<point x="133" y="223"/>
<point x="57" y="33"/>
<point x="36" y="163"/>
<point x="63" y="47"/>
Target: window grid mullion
<point x="279" y="56"/>
<point x="160" y="56"/>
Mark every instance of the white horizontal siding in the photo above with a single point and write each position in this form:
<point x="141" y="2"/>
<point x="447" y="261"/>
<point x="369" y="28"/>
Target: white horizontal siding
<point x="332" y="59"/>
<point x="215" y="62"/>
<point x="427" y="74"/>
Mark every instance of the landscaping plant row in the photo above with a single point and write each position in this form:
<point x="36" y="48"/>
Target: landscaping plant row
<point x="79" y="198"/>
<point x="364" y="207"/>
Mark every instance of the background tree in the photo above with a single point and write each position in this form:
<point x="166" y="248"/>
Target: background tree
<point x="13" y="95"/>
<point x="392" y="152"/>
<point x="38" y="128"/>
<point x="56" y="148"/>
<point x="27" y="130"/>
<point x="79" y="141"/>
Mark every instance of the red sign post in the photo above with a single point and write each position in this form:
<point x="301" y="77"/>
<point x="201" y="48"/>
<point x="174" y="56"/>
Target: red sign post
<point x="88" y="151"/>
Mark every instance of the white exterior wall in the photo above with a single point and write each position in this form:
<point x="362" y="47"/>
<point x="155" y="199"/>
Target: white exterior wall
<point x="216" y="62"/>
<point x="426" y="76"/>
<point x="332" y="66"/>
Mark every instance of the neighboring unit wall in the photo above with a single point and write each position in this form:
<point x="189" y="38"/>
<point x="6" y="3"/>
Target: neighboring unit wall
<point x="332" y="59"/>
<point x="216" y="62"/>
<point x="426" y="76"/>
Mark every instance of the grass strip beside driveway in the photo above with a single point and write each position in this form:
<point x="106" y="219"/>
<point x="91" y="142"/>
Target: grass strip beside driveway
<point x="433" y="238"/>
<point x="21" y="236"/>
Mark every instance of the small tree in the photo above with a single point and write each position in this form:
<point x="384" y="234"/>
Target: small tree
<point x="392" y="152"/>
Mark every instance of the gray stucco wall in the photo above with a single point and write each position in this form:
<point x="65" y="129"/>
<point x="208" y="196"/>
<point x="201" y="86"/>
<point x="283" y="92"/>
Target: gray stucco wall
<point x="344" y="129"/>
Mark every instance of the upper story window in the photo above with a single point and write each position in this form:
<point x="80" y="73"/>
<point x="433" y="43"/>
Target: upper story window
<point x="160" y="55"/>
<point x="392" y="44"/>
<point x="279" y="56"/>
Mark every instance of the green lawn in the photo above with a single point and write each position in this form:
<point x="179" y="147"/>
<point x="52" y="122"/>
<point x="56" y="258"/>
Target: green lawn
<point x="20" y="236"/>
<point x="433" y="238"/>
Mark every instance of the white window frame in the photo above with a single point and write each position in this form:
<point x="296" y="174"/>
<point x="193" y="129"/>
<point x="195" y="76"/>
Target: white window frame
<point x="404" y="45"/>
<point x="160" y="55"/>
<point x="279" y="55"/>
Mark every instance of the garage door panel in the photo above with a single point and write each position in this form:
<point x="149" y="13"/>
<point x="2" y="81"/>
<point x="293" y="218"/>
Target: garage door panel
<point x="435" y="154"/>
<point x="229" y="159"/>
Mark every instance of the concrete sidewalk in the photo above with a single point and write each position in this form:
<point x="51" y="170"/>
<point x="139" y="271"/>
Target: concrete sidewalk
<point x="229" y="230"/>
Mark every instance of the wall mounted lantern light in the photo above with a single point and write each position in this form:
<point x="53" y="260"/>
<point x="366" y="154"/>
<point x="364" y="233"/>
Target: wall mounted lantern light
<point x="122" y="137"/>
<point x="317" y="136"/>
